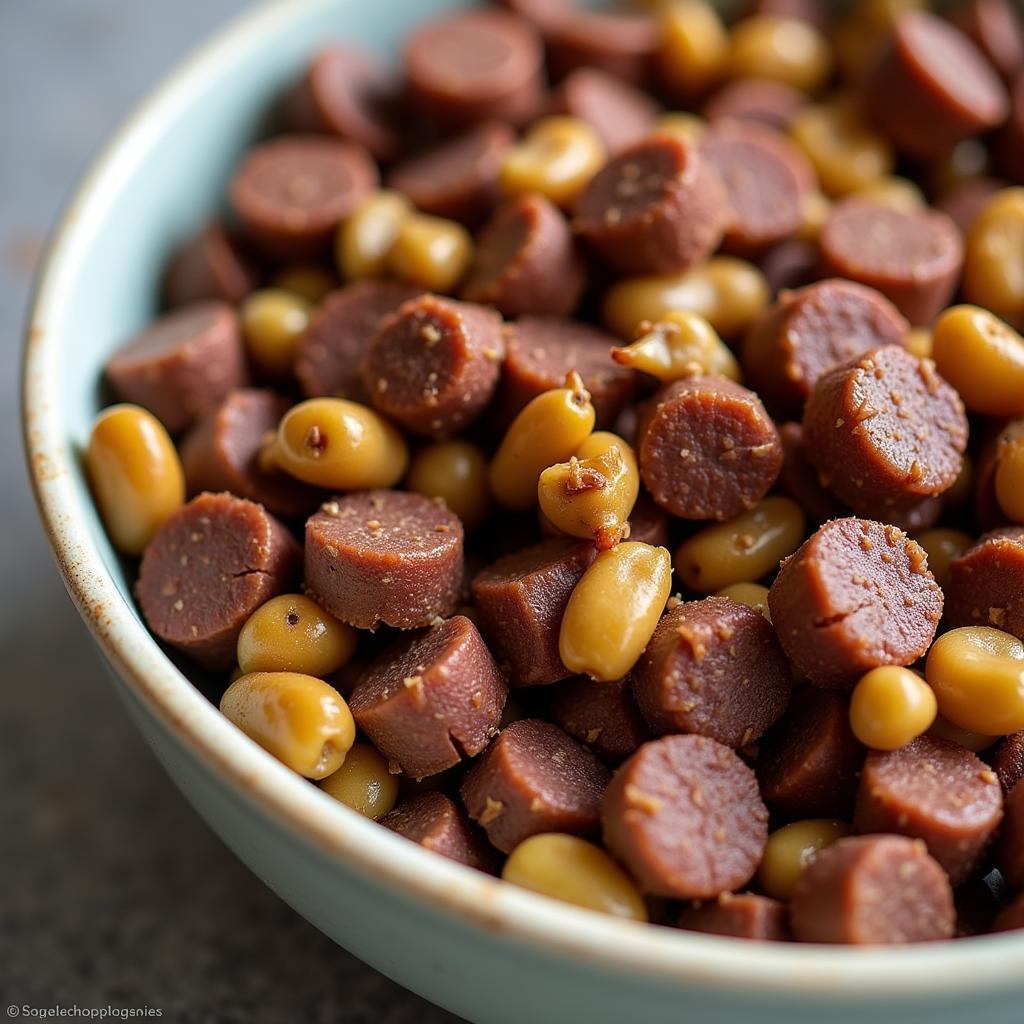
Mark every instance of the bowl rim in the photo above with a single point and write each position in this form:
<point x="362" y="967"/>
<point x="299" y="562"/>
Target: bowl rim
<point x="668" y="956"/>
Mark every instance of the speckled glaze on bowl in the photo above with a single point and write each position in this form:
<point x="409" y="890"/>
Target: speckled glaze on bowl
<point x="465" y="941"/>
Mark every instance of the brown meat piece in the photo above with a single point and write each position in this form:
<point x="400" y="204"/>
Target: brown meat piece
<point x="746" y="916"/>
<point x="435" y="822"/>
<point x="808" y="332"/>
<point x="182" y="365"/>
<point x="221" y="453"/>
<point x="996" y="29"/>
<point x="526" y="261"/>
<point x="520" y="601"/>
<point x="913" y="258"/>
<point x="1011" y="917"/>
<point x="603" y="715"/>
<point x="714" y="668"/>
<point x="798" y="479"/>
<point x="931" y="88"/>
<point x="648" y="523"/>
<point x="330" y="356"/>
<point x="434" y="364"/>
<point x="292" y="192"/>
<point x="935" y="790"/>
<point x="432" y="700"/>
<point x="986" y="583"/>
<point x="684" y="815"/>
<point x="790" y="264"/>
<point x="1010" y="847"/>
<point x="885" y="431"/>
<point x="707" y="449"/>
<point x="211" y="265"/>
<point x="386" y="557"/>
<point x="1008" y="145"/>
<point x="1000" y="436"/>
<point x="657" y="208"/>
<point x="963" y="202"/>
<point x="759" y="100"/>
<point x="209" y="567"/>
<point x="814" y="12"/>
<point x="808" y="765"/>
<point x="854" y="596"/>
<point x="620" y="43"/>
<point x="1007" y="760"/>
<point x="873" y="890"/>
<point x="534" y="778"/>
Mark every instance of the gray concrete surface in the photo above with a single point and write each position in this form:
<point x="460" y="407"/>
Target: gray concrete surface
<point x="113" y="891"/>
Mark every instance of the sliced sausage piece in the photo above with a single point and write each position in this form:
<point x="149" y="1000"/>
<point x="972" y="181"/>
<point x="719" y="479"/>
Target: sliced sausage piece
<point x="885" y="431"/>
<point x="520" y="601"/>
<point x="469" y="66"/>
<point x="996" y="29"/>
<point x="873" y="890"/>
<point x="292" y="192"/>
<point x="931" y="88"/>
<point x="434" y="364"/>
<point x="526" y="261"/>
<point x="657" y="208"/>
<point x="1007" y="760"/>
<point x="458" y="178"/>
<point x="621" y="43"/>
<point x="388" y="557"/>
<point x="534" y="778"/>
<point x="963" y="202"/>
<point x="221" y="453"/>
<point x="812" y="11"/>
<point x="707" y="448"/>
<point x="211" y="265"/>
<point x="603" y="715"/>
<point x="433" y="699"/>
<point x="760" y="100"/>
<point x="922" y="516"/>
<point x="183" y="365"/>
<point x="648" y="524"/>
<point x="854" y="596"/>
<point x="808" y="765"/>
<point x="1008" y="145"/>
<point x="746" y="916"/>
<point x="330" y="356"/>
<point x="620" y="113"/>
<point x="810" y="331"/>
<point x="1010" y="848"/>
<point x="209" y="567"/>
<point x="684" y="815"/>
<point x="799" y="479"/>
<point x="767" y="181"/>
<point x="935" y="790"/>
<point x="542" y="350"/>
<point x="714" y="668"/>
<point x="435" y="822"/>
<point x="986" y="583"/>
<point x="913" y="258"/>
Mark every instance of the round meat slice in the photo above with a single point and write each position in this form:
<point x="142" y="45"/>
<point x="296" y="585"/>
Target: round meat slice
<point x="707" y="449"/>
<point x="183" y="365"/>
<point x="810" y="331"/>
<point x="656" y="208"/>
<point x="767" y="181"/>
<point x="1008" y="145"/>
<point x="620" y="113"/>
<point x="934" y="790"/>
<point x="434" y="364"/>
<point x="432" y="700"/>
<point x="534" y="778"/>
<point x="986" y="583"/>
<point x="620" y="43"/>
<point x="1007" y="760"/>
<point x="790" y="264"/>
<point x="648" y="524"/>
<point x="757" y="100"/>
<point x="435" y="822"/>
<point x="684" y="815"/>
<point x="746" y="916"/>
<point x="292" y="192"/>
<point x="799" y="479"/>
<point x="211" y="265"/>
<point x="854" y="596"/>
<point x="209" y="567"/>
<point x="912" y="257"/>
<point x="873" y="890"/>
<point x="472" y="65"/>
<point x="221" y="453"/>
<point x="814" y="12"/>
<point x="1010" y="848"/>
<point x="714" y="668"/>
<point x="603" y="715"/>
<point x="526" y="261"/>
<point x="965" y="200"/>
<point x="931" y="88"/>
<point x="996" y="29"/>
<point x="458" y="178"/>
<point x="885" y="431"/>
<point x="541" y="350"/>
<point x="385" y="557"/>
<point x="329" y="360"/>
<point x="809" y="763"/>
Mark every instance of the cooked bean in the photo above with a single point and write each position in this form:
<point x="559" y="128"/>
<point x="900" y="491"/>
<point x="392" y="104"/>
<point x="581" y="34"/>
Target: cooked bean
<point x="1010" y="481"/>
<point x="781" y="50"/>
<point x="919" y="342"/>
<point x="273" y="322"/>
<point x="942" y="545"/>
<point x="753" y="595"/>
<point x="299" y="719"/>
<point x="368" y="234"/>
<point x="680" y="344"/>
<point x="994" y="258"/>
<point x="816" y="208"/>
<point x="890" y="707"/>
<point x="431" y="252"/>
<point x="891" y="190"/>
<point x="457" y="472"/>
<point x="973" y="741"/>
<point x="363" y="782"/>
<point x="791" y="849"/>
<point x="309" y="281"/>
<point x="135" y="475"/>
<point x="694" y="48"/>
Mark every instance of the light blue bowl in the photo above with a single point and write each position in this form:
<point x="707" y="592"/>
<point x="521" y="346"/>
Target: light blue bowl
<point x="485" y="950"/>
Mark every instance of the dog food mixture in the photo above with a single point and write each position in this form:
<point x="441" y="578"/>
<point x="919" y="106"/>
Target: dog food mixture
<point x="593" y="447"/>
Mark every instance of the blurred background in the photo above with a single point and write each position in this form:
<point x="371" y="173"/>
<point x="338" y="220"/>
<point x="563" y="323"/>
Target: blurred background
<point x="114" y="891"/>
